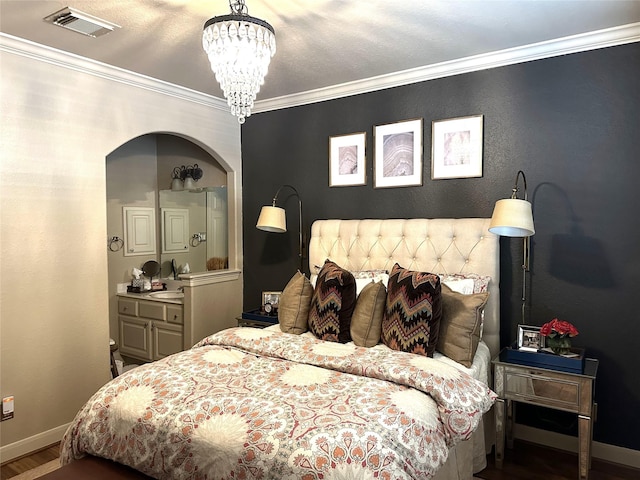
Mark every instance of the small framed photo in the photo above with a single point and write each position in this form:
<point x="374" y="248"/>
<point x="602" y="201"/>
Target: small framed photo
<point x="272" y="298"/>
<point x="456" y="150"/>
<point x="398" y="154"/>
<point x="529" y="338"/>
<point x="347" y="160"/>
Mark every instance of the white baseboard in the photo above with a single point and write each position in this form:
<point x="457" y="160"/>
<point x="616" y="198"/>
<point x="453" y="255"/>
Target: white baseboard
<point x="32" y="444"/>
<point x="603" y="451"/>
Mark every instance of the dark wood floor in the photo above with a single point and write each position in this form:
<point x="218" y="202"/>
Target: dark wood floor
<point x="525" y="462"/>
<point x="528" y="461"/>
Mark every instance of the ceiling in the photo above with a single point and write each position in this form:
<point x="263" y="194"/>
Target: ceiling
<point x="320" y="43"/>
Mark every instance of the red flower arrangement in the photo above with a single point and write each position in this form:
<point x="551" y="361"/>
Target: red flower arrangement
<point x="558" y="328"/>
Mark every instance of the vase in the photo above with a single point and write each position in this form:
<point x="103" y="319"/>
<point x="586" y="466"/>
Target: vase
<point x="560" y="345"/>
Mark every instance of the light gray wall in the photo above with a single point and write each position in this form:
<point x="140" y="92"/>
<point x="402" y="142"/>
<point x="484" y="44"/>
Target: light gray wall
<point x="61" y="117"/>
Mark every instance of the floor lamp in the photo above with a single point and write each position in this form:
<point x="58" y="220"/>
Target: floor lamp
<point x="513" y="217"/>
<point x="274" y="219"/>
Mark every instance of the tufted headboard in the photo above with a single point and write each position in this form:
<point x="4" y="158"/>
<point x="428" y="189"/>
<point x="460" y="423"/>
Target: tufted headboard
<point x="442" y="245"/>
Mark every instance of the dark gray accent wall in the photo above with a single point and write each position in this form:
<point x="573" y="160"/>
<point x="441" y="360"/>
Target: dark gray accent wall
<point x="572" y="123"/>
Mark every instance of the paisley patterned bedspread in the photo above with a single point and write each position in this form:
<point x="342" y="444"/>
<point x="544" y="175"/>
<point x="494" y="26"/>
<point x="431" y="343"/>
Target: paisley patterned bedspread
<point x="250" y="403"/>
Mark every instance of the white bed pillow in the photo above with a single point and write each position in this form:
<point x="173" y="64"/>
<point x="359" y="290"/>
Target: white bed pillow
<point x="480" y="282"/>
<point x="460" y="285"/>
<point x="363" y="278"/>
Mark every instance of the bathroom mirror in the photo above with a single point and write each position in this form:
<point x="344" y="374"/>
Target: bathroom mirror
<point x="139" y="174"/>
<point x="199" y="243"/>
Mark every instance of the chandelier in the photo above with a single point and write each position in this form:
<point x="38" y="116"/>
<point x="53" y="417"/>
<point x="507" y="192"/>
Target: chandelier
<point x="240" y="48"/>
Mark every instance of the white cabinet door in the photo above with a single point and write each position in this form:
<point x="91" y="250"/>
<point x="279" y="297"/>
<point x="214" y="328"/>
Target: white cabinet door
<point x="139" y="230"/>
<point x="175" y="230"/>
<point x="167" y="339"/>
<point x="135" y="337"/>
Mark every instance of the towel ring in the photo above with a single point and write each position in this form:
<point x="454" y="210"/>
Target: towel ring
<point x="115" y="244"/>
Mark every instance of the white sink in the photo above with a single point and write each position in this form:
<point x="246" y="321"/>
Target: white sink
<point x="168" y="295"/>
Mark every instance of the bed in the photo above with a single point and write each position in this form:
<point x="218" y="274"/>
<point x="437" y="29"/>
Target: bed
<point x="254" y="403"/>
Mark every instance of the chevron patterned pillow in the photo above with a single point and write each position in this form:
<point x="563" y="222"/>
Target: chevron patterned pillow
<point x="332" y="304"/>
<point x="413" y="311"/>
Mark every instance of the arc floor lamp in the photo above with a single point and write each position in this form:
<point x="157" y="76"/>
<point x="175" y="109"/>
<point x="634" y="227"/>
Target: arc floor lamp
<point x="513" y="217"/>
<point x="274" y="219"/>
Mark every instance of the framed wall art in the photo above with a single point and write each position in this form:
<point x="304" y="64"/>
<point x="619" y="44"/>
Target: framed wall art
<point x="347" y="160"/>
<point x="457" y="147"/>
<point x="398" y="154"/>
<point x="529" y="338"/>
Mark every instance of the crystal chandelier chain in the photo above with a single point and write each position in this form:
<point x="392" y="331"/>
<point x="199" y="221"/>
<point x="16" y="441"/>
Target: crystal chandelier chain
<point x="238" y="8"/>
<point x="239" y="48"/>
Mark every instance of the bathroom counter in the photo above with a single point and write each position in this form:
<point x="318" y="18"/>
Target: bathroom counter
<point x="148" y="296"/>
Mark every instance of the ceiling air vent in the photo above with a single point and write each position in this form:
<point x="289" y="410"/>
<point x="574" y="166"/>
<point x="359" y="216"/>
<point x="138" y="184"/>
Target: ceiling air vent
<point x="80" y="22"/>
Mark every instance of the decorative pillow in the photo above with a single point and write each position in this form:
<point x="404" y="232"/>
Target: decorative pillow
<point x="461" y="324"/>
<point x="366" y="322"/>
<point x="412" y="312"/>
<point x="332" y="304"/>
<point x="293" y="306"/>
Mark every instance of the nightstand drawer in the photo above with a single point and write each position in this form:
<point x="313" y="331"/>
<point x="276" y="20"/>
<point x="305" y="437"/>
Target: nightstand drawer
<point x="540" y="389"/>
<point x="564" y="391"/>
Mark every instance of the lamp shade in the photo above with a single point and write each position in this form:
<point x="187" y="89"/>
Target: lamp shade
<point x="177" y="185"/>
<point x="272" y="219"/>
<point x="512" y="217"/>
<point x="189" y="183"/>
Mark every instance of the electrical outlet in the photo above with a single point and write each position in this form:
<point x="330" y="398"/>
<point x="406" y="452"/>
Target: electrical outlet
<point x="7" y="408"/>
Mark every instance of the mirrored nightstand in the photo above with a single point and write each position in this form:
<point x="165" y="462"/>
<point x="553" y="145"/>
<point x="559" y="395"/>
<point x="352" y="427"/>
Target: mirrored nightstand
<point x="571" y="392"/>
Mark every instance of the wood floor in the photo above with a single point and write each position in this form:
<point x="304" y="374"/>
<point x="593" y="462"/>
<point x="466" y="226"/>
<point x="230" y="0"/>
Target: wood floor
<point x="528" y="461"/>
<point x="525" y="462"/>
<point x="23" y="464"/>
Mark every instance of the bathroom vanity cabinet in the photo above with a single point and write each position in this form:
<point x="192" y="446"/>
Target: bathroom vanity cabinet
<point x="150" y="329"/>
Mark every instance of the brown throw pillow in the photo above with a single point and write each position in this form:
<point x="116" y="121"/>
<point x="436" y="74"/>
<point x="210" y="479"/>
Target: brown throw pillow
<point x="293" y="306"/>
<point x="366" y="322"/>
<point x="461" y="324"/>
<point x="332" y="304"/>
<point x="412" y="312"/>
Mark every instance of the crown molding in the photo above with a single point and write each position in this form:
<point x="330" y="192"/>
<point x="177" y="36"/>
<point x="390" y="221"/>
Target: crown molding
<point x="609" y="37"/>
<point x="552" y="48"/>
<point x="42" y="53"/>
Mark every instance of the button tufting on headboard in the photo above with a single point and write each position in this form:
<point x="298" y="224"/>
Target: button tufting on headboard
<point x="441" y="245"/>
